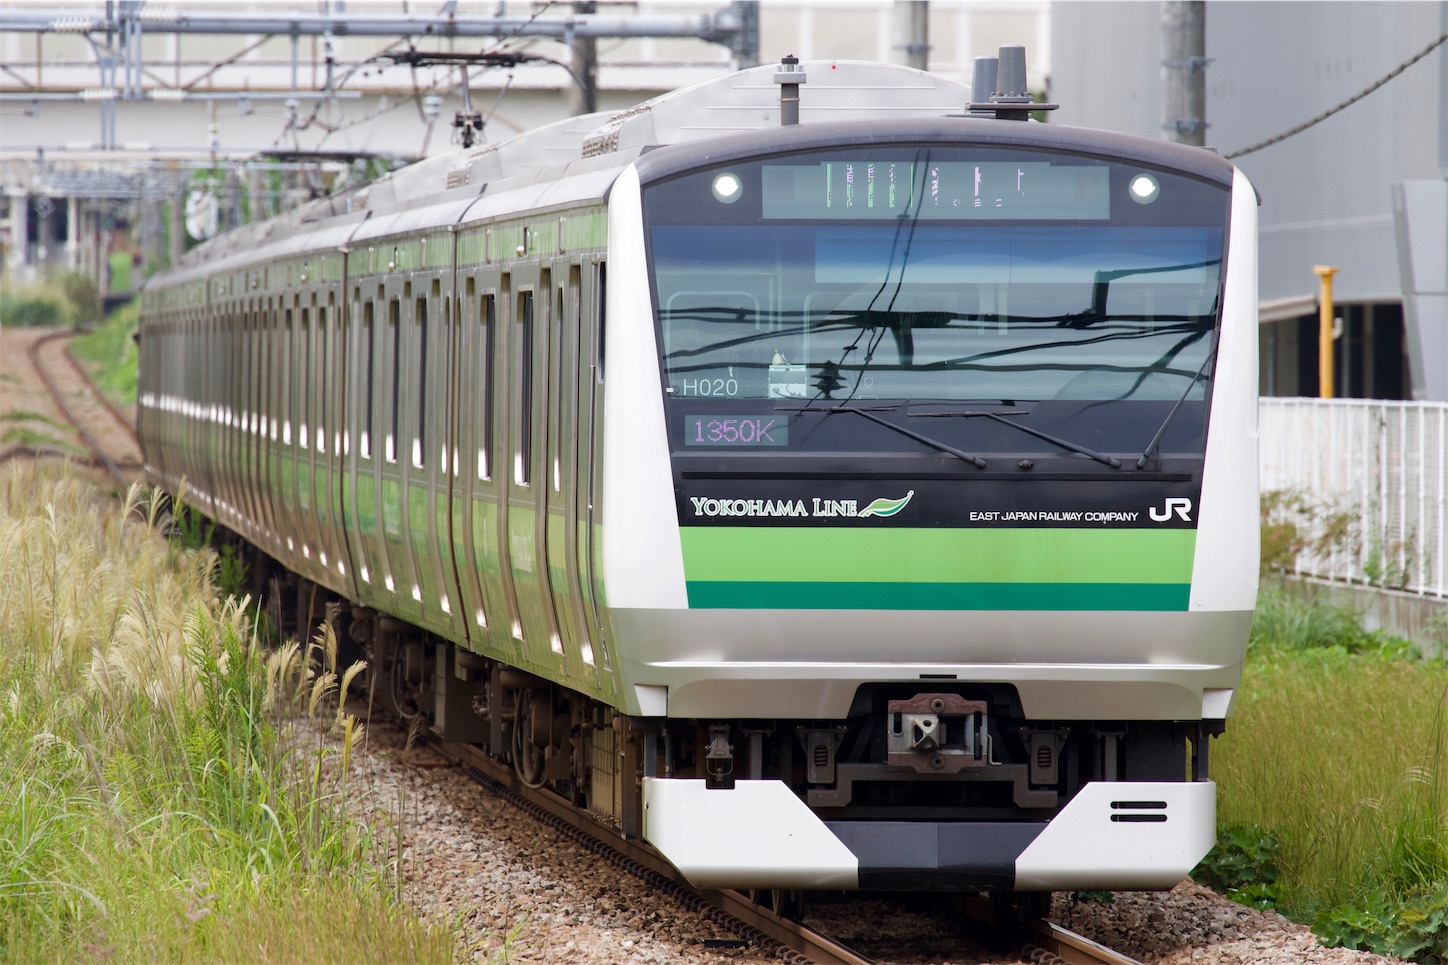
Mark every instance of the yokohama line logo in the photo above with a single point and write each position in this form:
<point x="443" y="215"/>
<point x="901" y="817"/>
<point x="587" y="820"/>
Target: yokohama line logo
<point x="815" y="507"/>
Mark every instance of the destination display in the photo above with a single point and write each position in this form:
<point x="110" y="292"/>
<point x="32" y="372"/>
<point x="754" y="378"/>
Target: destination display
<point x="945" y="190"/>
<point x="733" y="430"/>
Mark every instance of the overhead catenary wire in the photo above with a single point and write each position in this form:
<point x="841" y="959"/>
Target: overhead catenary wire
<point x="1345" y="104"/>
<point x="295" y="126"/>
<point x="417" y="90"/>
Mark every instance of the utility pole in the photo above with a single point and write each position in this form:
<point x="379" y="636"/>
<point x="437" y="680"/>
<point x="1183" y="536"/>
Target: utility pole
<point x="745" y="43"/>
<point x="1184" y="71"/>
<point x="585" y="65"/>
<point x="912" y="32"/>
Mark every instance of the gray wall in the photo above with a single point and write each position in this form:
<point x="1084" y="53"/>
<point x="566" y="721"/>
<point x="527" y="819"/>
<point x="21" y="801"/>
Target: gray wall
<point x="1327" y="192"/>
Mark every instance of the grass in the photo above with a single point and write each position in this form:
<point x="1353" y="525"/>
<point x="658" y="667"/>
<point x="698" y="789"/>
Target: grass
<point x="111" y="355"/>
<point x="39" y="433"/>
<point x="1338" y="755"/>
<point x="155" y="802"/>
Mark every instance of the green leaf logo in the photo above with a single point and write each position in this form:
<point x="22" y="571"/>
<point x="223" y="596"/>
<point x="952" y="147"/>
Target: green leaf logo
<point x="887" y="507"/>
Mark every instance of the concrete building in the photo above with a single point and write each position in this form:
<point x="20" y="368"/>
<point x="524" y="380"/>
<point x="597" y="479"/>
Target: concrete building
<point x="1364" y="190"/>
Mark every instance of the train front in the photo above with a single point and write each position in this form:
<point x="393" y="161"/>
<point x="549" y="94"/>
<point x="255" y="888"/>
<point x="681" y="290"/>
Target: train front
<point x="930" y="501"/>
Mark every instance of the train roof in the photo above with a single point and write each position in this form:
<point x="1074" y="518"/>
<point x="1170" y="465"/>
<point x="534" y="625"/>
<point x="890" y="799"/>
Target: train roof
<point x="834" y="90"/>
<point x="734" y="103"/>
<point x="840" y="102"/>
<point x="747" y="100"/>
<point x="675" y="159"/>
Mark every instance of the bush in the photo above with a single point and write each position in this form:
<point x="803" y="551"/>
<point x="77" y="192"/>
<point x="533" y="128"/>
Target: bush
<point x="84" y="298"/>
<point x="1243" y="866"/>
<point x="69" y="299"/>
<point x="33" y="309"/>
<point x="1413" y="927"/>
<point x="1284" y="622"/>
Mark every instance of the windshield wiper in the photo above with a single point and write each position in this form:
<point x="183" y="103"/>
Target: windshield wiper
<point x="974" y="460"/>
<point x="1156" y="439"/>
<point x="1101" y="457"/>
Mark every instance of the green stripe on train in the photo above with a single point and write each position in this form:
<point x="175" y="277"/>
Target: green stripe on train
<point x="811" y="595"/>
<point x="866" y="556"/>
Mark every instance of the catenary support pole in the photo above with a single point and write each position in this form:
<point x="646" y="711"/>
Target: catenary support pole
<point x="1184" y="71"/>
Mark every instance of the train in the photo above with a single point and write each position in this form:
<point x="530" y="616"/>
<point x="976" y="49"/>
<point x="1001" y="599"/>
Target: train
<point x="833" y="480"/>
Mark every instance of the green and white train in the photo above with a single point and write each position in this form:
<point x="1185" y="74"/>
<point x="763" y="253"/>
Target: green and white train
<point x="862" y="503"/>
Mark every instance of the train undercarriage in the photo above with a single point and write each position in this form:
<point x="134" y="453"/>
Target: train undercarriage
<point x="933" y="786"/>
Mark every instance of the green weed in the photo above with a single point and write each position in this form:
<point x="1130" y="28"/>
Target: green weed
<point x="29" y="438"/>
<point x="26" y="415"/>
<point x="1286" y="623"/>
<point x="1243" y="866"/>
<point x="1412" y="927"/>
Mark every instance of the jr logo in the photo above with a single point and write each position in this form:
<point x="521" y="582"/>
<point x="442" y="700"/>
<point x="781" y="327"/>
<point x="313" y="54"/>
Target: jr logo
<point x="1181" y="505"/>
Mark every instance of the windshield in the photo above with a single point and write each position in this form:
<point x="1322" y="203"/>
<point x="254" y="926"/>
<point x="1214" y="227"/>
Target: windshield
<point x="938" y="275"/>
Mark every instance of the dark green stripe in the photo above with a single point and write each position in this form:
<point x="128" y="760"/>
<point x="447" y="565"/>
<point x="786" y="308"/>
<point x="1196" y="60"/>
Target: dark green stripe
<point x="745" y="595"/>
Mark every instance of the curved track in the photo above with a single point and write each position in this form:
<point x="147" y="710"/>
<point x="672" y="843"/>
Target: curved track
<point x="107" y="431"/>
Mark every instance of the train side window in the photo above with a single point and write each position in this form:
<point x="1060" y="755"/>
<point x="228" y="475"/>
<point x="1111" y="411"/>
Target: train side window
<point x="304" y="384"/>
<point x="225" y="387"/>
<point x="370" y="354"/>
<point x="258" y="372"/>
<point x="248" y="366"/>
<point x="419" y="436"/>
<point x="278" y="351"/>
<point x="489" y="342"/>
<point x="523" y="458"/>
<point x="319" y="406"/>
<point x="601" y="317"/>
<point x="555" y="384"/>
<point x="286" y="407"/>
<point x="394" y="327"/>
<point x="452" y="326"/>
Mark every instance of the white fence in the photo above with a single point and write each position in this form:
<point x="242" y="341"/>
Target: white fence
<point x="1368" y="481"/>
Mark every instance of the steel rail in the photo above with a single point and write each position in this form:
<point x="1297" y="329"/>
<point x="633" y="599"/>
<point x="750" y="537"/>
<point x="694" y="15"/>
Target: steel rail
<point x="1050" y="944"/>
<point x="116" y="413"/>
<point x="795" y="942"/>
<point x="1040" y="941"/>
<point x="110" y="465"/>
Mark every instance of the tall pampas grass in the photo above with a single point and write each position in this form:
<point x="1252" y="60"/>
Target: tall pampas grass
<point x="154" y="795"/>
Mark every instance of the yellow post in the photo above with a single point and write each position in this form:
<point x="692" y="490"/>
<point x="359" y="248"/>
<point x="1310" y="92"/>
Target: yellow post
<point x="1324" y="330"/>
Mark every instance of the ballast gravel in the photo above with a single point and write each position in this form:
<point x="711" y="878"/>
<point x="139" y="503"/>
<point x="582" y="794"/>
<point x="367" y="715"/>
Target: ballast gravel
<point x="517" y="891"/>
<point x="1193" y="924"/>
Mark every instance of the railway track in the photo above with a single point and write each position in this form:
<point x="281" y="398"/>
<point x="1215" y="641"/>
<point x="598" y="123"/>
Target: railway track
<point x="792" y="941"/>
<point x="104" y="429"/>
